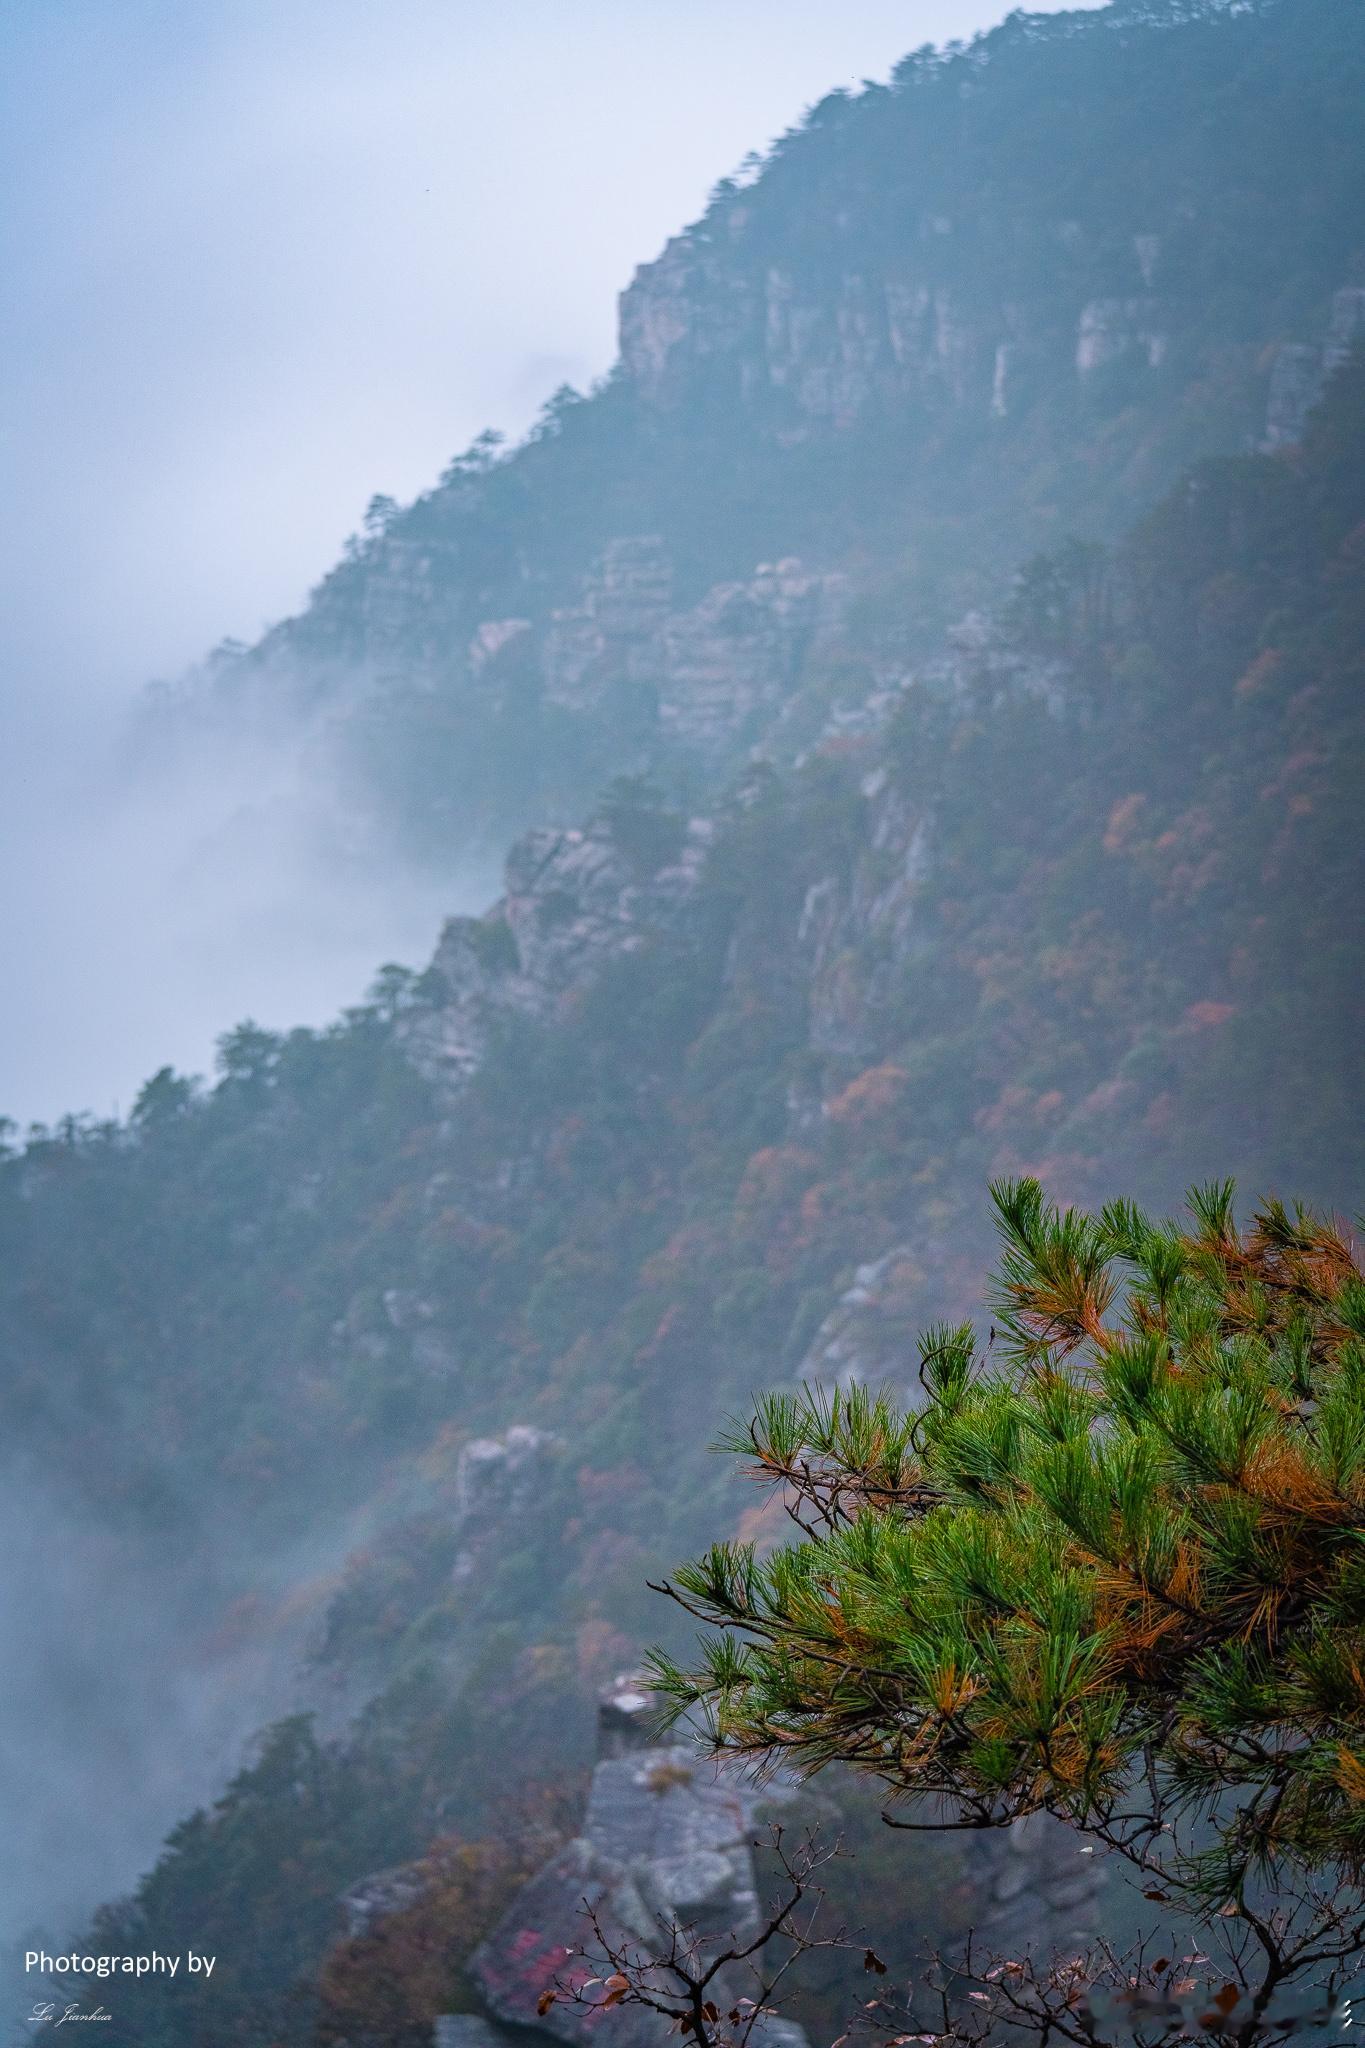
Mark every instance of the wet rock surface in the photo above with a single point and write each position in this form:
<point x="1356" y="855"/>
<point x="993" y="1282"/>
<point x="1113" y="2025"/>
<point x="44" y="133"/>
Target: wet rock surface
<point x="666" y="1838"/>
<point x="1040" y="1890"/>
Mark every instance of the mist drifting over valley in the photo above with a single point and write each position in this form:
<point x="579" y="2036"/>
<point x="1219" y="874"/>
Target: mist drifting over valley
<point x="877" y="716"/>
<point x="269" y="268"/>
<point x="151" y="906"/>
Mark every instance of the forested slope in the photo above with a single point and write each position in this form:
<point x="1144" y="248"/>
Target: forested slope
<point x="923" y="685"/>
<point x="704" y="1104"/>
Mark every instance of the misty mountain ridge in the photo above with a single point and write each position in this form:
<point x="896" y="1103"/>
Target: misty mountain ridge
<point x="702" y="1104"/>
<point x="933" y="332"/>
<point x="917" y="771"/>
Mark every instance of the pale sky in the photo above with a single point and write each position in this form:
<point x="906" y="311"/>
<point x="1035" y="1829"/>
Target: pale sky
<point x="261" y="259"/>
<point x="265" y="257"/>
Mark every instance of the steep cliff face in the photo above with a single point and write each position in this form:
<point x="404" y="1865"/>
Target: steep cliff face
<point x="709" y="1098"/>
<point x="860" y="933"/>
<point x="729" y="666"/>
<point x="706" y="678"/>
<point x="708" y="1101"/>
<point x="948" y="321"/>
<point x="1300" y="372"/>
<point x="580" y="900"/>
<point x="807" y="352"/>
<point x="611" y="634"/>
<point x="921" y="251"/>
<point x="577" y="902"/>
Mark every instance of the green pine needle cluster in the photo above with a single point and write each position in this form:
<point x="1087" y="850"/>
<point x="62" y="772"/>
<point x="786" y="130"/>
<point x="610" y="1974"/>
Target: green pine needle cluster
<point x="1114" y="1568"/>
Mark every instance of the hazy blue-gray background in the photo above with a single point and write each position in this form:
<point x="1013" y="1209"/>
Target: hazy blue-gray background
<point x="263" y="258"/>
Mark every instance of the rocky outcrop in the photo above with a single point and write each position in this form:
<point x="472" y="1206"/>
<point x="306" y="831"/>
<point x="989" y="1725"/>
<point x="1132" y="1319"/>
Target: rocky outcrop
<point x="869" y="1334"/>
<point x="377" y="1897"/>
<point x="1295" y="388"/>
<point x="981" y="665"/>
<point x="400" y="1323"/>
<point x="872" y="336"/>
<point x="491" y="638"/>
<point x="1039" y="1890"/>
<point x="661" y="337"/>
<point x="497" y="1479"/>
<point x="624" y="1716"/>
<point x="1345" y="328"/>
<point x="546" y="1941"/>
<point x="579" y="899"/>
<point x="727" y="666"/>
<point x="826" y="347"/>
<point x="576" y="900"/>
<point x="709" y="676"/>
<point x="1300" y="372"/>
<point x="858" y="935"/>
<point x="1110" y="328"/>
<point x="665" y="1839"/>
<point x="428" y="1559"/>
<point x="612" y="634"/>
<point x="818" y="353"/>
<point x="404" y="598"/>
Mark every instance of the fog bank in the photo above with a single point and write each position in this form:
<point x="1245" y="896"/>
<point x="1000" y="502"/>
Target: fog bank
<point x="145" y="913"/>
<point x="263" y="263"/>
